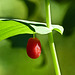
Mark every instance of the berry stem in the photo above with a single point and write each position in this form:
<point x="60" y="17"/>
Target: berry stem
<point x="50" y="38"/>
<point x="34" y="35"/>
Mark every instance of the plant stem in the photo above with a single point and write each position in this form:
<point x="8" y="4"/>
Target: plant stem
<point x="34" y="35"/>
<point x="50" y="38"/>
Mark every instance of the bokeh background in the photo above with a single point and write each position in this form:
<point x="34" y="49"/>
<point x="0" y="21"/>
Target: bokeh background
<point x="13" y="56"/>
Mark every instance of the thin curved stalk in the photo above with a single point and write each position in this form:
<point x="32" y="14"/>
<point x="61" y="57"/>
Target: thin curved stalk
<point x="50" y="38"/>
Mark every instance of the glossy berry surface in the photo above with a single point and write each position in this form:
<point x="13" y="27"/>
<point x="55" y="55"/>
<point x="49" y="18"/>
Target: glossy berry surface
<point x="33" y="48"/>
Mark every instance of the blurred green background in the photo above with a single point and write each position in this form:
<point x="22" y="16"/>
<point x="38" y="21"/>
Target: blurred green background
<point x="13" y="56"/>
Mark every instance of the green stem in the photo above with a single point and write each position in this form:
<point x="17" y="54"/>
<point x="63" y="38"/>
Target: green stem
<point x="34" y="35"/>
<point x="50" y="37"/>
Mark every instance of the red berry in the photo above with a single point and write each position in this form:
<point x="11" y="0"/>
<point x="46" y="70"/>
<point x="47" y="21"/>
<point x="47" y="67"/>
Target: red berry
<point x="33" y="48"/>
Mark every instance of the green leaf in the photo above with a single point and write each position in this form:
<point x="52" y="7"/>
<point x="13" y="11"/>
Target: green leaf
<point x="12" y="28"/>
<point x="58" y="28"/>
<point x="38" y="26"/>
<point x="41" y="29"/>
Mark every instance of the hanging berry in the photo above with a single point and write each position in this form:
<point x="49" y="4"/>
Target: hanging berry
<point x="33" y="48"/>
